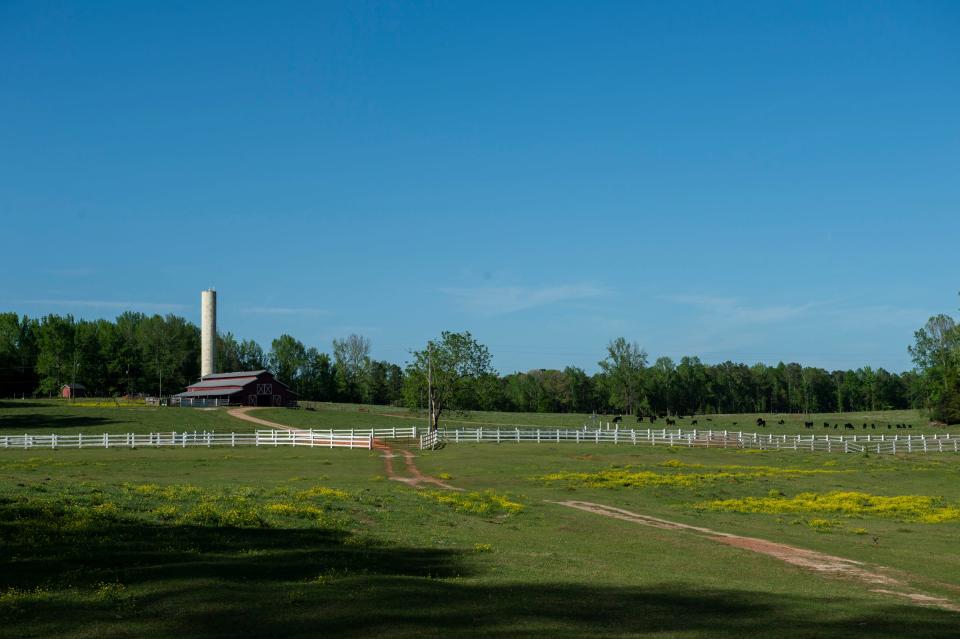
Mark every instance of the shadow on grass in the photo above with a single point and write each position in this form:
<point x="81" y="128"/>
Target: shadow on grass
<point x="40" y="421"/>
<point x="127" y="578"/>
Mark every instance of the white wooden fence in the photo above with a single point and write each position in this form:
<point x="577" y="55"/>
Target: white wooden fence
<point x="352" y="438"/>
<point x="713" y="439"/>
<point x="430" y="440"/>
<point x="364" y="438"/>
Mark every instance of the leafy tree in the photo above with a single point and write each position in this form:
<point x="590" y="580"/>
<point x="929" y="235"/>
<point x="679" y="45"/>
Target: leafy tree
<point x="351" y="358"/>
<point x="228" y="353"/>
<point x="287" y="359"/>
<point x="623" y="368"/>
<point x="448" y="370"/>
<point x="250" y="356"/>
<point x="55" y="352"/>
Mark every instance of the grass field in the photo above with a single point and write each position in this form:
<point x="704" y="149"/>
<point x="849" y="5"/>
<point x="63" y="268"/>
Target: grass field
<point x="316" y="542"/>
<point x="58" y="416"/>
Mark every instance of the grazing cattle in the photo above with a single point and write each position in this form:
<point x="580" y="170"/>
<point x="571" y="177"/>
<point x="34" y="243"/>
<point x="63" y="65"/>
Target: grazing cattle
<point x="709" y="420"/>
<point x="734" y="423"/>
<point x="864" y="427"/>
<point x="808" y="424"/>
<point x="848" y="426"/>
<point x="889" y="426"/>
<point x="826" y="424"/>
<point x="835" y="426"/>
<point x="653" y="419"/>
<point x="781" y="422"/>
<point x="639" y="419"/>
<point x="671" y="422"/>
<point x="873" y="427"/>
<point x="618" y="419"/>
<point x="693" y="423"/>
<point x="909" y="425"/>
<point x="761" y="421"/>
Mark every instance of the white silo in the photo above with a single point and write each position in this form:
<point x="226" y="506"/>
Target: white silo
<point x="208" y="332"/>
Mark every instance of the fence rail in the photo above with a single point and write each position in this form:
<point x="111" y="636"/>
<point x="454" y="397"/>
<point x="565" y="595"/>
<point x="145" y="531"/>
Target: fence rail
<point x="713" y="439"/>
<point x="352" y="438"/>
<point x="429" y="440"/>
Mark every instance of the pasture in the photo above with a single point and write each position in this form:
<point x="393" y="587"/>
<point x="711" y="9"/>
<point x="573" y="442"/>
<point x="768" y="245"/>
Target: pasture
<point x="303" y="542"/>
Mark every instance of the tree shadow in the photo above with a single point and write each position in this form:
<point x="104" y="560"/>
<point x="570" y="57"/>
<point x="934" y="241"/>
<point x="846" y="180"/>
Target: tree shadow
<point x="38" y="421"/>
<point x="125" y="578"/>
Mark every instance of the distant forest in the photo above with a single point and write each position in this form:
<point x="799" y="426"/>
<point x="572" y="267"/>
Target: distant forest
<point x="156" y="354"/>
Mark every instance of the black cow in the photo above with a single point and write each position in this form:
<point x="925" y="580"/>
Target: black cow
<point x="693" y="423"/>
<point x="848" y="426"/>
<point x="618" y="419"/>
<point x="808" y="424"/>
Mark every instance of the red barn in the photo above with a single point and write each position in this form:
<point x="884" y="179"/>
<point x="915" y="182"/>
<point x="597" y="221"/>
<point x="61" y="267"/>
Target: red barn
<point x="250" y="388"/>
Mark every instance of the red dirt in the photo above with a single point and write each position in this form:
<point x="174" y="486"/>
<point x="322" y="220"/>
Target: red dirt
<point x="416" y="478"/>
<point x="818" y="562"/>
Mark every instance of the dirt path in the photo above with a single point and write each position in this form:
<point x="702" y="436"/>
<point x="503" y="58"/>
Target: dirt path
<point x="415" y="479"/>
<point x="244" y="414"/>
<point x="878" y="579"/>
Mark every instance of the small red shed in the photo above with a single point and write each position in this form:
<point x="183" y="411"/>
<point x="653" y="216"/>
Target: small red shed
<point x="69" y="391"/>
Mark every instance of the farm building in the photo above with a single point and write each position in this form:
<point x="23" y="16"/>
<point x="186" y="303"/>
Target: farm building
<point x="249" y="388"/>
<point x="69" y="391"/>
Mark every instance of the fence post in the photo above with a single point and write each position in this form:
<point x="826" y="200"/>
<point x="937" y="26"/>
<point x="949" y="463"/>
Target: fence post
<point x="233" y="440"/>
<point x="106" y="441"/>
<point x="538" y="435"/>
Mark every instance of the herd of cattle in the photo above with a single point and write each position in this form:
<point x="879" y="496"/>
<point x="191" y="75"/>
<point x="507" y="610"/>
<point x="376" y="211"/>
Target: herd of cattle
<point x="761" y="422"/>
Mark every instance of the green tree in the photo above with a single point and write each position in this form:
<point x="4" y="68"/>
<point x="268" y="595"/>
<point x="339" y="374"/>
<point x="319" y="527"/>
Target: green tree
<point x="55" y="352"/>
<point x="448" y="370"/>
<point x="351" y="358"/>
<point x="287" y="359"/>
<point x="623" y="368"/>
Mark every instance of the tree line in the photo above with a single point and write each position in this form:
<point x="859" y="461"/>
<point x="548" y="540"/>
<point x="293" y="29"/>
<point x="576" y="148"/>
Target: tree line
<point x="936" y="353"/>
<point x="137" y="353"/>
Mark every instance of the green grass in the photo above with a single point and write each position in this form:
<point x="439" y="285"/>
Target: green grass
<point x="60" y="416"/>
<point x="362" y="416"/>
<point x="42" y="417"/>
<point x="304" y="542"/>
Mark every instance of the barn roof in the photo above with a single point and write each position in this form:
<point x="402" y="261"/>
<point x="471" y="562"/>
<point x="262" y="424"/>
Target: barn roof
<point x="218" y="392"/>
<point x="236" y="374"/>
<point x="206" y="382"/>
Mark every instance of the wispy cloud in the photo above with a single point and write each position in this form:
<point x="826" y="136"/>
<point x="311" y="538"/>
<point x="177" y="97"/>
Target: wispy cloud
<point x="283" y="310"/>
<point x="500" y="300"/>
<point x="157" y="307"/>
<point x="731" y="309"/>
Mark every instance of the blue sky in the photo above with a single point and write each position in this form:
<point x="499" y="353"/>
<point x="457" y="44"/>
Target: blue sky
<point x="756" y="182"/>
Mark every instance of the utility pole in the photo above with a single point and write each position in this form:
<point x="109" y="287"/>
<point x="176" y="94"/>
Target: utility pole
<point x="430" y="425"/>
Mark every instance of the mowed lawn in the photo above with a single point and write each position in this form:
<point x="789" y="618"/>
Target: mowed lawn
<point x="316" y="542"/>
<point x="43" y="417"/>
<point x="92" y="416"/>
<point x="323" y="415"/>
